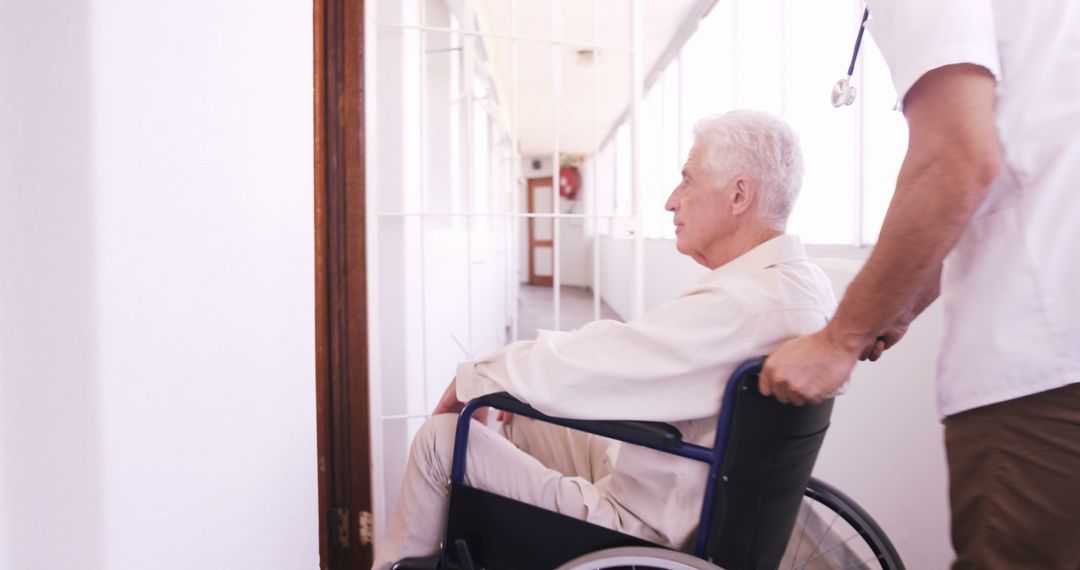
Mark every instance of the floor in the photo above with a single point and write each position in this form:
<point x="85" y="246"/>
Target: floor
<point x="536" y="309"/>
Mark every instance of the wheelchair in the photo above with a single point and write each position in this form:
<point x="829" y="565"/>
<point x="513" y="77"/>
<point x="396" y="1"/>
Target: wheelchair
<point x="761" y="508"/>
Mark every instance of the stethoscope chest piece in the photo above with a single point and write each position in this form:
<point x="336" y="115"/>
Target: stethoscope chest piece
<point x="843" y="93"/>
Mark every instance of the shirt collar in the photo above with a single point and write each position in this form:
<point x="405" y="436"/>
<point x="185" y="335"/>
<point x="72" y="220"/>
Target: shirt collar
<point x="784" y="248"/>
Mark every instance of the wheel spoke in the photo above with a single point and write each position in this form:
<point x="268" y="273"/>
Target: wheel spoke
<point x="827" y="530"/>
<point x="832" y="548"/>
<point x="798" y="545"/>
<point x="862" y="563"/>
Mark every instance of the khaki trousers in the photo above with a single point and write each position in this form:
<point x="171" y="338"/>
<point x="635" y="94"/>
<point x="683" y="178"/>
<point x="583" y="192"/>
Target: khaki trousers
<point x="1014" y="483"/>
<point x="536" y="463"/>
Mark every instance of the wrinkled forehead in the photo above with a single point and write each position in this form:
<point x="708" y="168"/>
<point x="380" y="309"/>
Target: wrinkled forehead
<point x="695" y="159"/>
<point x="699" y="161"/>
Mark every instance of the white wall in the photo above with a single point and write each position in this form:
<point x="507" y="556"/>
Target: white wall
<point x="156" y="286"/>
<point x="575" y="257"/>
<point x="536" y="167"/>
<point x="617" y="274"/>
<point x="885" y="446"/>
<point x="667" y="273"/>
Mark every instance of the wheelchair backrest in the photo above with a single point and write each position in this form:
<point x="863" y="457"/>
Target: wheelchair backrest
<point x="754" y="493"/>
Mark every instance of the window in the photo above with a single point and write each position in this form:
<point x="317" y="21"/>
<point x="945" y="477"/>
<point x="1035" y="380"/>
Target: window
<point x="781" y="57"/>
<point x="817" y="48"/>
<point x="884" y="135"/>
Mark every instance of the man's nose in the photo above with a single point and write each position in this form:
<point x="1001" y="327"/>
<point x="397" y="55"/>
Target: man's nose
<point x="671" y="202"/>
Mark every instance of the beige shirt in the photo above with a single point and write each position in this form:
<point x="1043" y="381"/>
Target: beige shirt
<point x="670" y="365"/>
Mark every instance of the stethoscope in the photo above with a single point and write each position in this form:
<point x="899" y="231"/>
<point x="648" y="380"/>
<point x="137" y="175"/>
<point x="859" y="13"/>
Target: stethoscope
<point x="843" y="93"/>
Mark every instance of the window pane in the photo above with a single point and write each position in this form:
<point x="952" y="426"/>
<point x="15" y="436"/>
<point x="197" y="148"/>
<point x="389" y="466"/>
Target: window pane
<point x="708" y="71"/>
<point x="884" y="139"/>
<point x="670" y="160"/>
<point x="604" y="164"/>
<point x="440" y="116"/>
<point x="759" y="44"/>
<point x="623" y="189"/>
<point x="818" y="40"/>
<point x="659" y="145"/>
<point x="481" y="167"/>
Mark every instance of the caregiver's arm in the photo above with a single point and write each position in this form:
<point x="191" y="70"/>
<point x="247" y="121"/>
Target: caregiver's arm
<point x="953" y="156"/>
<point x="893" y="333"/>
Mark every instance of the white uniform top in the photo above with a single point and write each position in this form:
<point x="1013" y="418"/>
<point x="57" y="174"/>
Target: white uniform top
<point x="1011" y="286"/>
<point x="670" y="365"/>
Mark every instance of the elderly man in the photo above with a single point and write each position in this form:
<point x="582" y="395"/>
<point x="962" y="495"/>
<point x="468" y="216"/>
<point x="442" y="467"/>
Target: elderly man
<point x="738" y="186"/>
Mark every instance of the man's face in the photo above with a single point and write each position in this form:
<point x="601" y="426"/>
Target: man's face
<point x="703" y="210"/>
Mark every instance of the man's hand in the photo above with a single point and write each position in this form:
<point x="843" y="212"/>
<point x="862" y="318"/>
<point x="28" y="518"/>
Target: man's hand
<point x="807" y="369"/>
<point x="449" y="403"/>
<point x="887" y="340"/>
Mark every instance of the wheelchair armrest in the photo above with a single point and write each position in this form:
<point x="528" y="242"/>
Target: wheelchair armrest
<point x="657" y="435"/>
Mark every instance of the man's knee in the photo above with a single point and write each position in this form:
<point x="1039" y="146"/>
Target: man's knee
<point x="433" y="445"/>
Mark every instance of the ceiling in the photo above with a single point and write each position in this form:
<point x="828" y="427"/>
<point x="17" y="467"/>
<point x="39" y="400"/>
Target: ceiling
<point x="594" y="91"/>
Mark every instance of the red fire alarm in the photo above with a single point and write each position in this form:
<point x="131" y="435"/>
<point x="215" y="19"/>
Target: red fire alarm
<point x="569" y="182"/>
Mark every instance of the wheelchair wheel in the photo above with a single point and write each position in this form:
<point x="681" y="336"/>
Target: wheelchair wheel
<point x="833" y="531"/>
<point x="639" y="558"/>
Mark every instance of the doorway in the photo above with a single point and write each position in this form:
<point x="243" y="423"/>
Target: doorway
<point x="541" y="232"/>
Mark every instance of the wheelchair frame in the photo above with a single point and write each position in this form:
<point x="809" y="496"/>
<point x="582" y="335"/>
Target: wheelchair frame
<point x="759" y="471"/>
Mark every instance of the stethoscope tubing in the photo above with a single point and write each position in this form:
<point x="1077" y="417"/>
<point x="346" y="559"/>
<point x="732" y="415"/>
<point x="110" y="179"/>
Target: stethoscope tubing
<point x="858" y="42"/>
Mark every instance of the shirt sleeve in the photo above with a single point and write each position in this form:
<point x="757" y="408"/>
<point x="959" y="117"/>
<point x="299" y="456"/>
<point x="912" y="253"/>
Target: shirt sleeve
<point x="670" y="365"/>
<point x="916" y="37"/>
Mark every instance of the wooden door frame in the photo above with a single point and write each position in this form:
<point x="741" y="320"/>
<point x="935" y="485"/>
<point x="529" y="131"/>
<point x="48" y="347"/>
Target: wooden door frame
<point x="535" y="279"/>
<point x="341" y="343"/>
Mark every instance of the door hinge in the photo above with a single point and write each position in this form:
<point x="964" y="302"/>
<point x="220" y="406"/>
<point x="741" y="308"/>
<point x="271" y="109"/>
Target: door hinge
<point x="367" y="531"/>
<point x="339" y="527"/>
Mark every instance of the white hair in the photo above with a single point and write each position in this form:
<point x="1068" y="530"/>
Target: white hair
<point x="760" y="145"/>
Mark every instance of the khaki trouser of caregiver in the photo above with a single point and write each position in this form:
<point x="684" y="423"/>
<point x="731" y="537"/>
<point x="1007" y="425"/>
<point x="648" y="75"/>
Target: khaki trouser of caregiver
<point x="1014" y="483"/>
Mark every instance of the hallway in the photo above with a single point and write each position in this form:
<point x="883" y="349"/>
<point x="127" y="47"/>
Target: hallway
<point x="536" y="309"/>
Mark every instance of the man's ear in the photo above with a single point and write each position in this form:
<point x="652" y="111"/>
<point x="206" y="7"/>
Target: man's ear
<point x="743" y="196"/>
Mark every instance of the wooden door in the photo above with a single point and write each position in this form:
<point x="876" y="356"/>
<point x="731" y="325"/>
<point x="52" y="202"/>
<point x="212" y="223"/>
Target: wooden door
<point x="541" y="233"/>
<point x="341" y="359"/>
